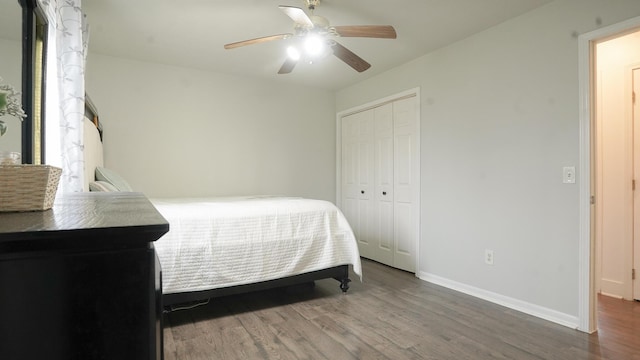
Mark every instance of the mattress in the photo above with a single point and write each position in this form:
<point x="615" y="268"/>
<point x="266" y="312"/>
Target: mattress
<point x="221" y="242"/>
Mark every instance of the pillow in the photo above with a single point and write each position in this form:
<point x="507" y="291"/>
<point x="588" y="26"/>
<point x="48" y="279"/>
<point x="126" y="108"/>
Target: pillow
<point x="110" y="176"/>
<point x="101" y="186"/>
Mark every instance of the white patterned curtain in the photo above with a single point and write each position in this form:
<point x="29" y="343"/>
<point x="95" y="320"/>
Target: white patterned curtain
<point x="66" y="53"/>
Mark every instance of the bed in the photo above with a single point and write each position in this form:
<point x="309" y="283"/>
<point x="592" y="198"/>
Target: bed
<point x="228" y="245"/>
<point x="221" y="246"/>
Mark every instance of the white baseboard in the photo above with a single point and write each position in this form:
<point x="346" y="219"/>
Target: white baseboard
<point x="611" y="295"/>
<point x="515" y="304"/>
<point x="612" y="288"/>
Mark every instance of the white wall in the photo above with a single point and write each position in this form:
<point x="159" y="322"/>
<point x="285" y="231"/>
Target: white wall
<point x="614" y="163"/>
<point x="182" y="132"/>
<point x="11" y="73"/>
<point x="499" y="120"/>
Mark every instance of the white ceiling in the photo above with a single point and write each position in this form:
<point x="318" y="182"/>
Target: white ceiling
<point x="191" y="33"/>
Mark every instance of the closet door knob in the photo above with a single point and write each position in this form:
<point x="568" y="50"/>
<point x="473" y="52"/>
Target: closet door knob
<point x="361" y="191"/>
<point x="384" y="193"/>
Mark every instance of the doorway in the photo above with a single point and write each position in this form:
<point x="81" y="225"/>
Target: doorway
<point x="588" y="251"/>
<point x="616" y="164"/>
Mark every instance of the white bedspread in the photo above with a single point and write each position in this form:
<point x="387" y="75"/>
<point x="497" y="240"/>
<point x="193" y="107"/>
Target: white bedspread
<point x="220" y="242"/>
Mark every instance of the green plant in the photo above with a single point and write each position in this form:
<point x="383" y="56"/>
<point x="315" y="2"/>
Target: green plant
<point x="9" y="105"/>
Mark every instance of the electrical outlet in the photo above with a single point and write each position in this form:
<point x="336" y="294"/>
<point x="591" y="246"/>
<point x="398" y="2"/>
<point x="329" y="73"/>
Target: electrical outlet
<point x="488" y="257"/>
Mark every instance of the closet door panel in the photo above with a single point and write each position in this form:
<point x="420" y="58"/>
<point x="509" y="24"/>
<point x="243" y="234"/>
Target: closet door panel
<point x="406" y="182"/>
<point x="383" y="178"/>
<point x="349" y="181"/>
<point x="357" y="178"/>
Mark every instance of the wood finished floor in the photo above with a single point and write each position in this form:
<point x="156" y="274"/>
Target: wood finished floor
<point x="391" y="315"/>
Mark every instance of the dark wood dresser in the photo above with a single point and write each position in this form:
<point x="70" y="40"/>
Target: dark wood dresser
<point x="82" y="280"/>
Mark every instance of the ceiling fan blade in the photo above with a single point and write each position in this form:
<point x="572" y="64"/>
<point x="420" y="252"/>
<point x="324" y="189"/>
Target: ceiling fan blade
<point x="371" y="31"/>
<point x="351" y="59"/>
<point x="296" y="14"/>
<point x="257" y="40"/>
<point x="288" y="66"/>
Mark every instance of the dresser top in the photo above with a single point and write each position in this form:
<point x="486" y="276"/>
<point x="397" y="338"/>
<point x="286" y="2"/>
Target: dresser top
<point x="93" y="219"/>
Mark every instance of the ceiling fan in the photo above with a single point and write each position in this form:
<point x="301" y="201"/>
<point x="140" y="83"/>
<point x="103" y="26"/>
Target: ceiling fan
<point x="315" y="37"/>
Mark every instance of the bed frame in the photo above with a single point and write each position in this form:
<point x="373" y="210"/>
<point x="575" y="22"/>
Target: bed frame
<point x="340" y="273"/>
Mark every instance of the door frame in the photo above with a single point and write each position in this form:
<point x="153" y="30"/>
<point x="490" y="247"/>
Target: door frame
<point x="587" y="319"/>
<point x="414" y="92"/>
<point x="635" y="123"/>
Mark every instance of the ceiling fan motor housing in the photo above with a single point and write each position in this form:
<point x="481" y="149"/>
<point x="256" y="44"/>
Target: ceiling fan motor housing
<point x="320" y="26"/>
<point x="319" y="21"/>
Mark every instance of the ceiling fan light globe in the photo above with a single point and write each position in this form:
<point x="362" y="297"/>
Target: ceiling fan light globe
<point x="293" y="53"/>
<point x="314" y="45"/>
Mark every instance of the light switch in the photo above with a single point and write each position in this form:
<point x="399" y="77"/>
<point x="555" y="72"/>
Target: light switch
<point x="569" y="174"/>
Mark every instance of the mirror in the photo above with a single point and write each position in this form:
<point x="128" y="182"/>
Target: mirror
<point x="11" y="67"/>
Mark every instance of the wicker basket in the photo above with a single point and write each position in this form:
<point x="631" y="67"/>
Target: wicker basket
<point x="28" y="187"/>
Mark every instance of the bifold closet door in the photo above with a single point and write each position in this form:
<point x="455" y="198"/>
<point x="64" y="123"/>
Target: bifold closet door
<point x="380" y="181"/>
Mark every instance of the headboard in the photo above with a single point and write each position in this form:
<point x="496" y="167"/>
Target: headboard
<point x="93" y="155"/>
